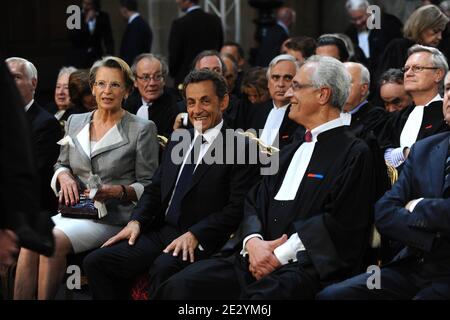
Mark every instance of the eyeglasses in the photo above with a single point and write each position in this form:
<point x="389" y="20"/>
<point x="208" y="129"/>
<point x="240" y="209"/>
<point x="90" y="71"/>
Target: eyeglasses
<point x="147" y="78"/>
<point x="298" y="86"/>
<point x="112" y="85"/>
<point x="416" y="69"/>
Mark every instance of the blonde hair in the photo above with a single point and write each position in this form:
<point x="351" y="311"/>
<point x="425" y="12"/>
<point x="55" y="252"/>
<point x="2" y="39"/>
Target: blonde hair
<point x="115" y="63"/>
<point x="426" y="17"/>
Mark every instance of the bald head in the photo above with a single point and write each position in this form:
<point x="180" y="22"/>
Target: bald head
<point x="286" y="15"/>
<point x="359" y="88"/>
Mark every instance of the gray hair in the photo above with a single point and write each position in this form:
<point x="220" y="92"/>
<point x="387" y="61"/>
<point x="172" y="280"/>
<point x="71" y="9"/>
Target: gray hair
<point x="392" y="75"/>
<point x="150" y="56"/>
<point x="331" y="73"/>
<point x="438" y="58"/>
<point x="356" y="4"/>
<point x="29" y="68"/>
<point x="66" y="70"/>
<point x="278" y="59"/>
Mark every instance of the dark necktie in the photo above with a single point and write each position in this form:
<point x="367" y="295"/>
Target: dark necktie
<point x="308" y="136"/>
<point x="183" y="183"/>
<point x="447" y="174"/>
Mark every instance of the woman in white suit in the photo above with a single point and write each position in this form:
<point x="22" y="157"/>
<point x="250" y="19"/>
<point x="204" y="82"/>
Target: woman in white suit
<point x="111" y="143"/>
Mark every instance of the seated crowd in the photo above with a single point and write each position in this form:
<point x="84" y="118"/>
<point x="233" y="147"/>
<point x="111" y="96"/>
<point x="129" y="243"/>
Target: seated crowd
<point x="261" y="182"/>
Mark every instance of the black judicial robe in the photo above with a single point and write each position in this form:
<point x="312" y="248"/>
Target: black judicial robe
<point x="368" y="118"/>
<point x="332" y="210"/>
<point x="432" y="123"/>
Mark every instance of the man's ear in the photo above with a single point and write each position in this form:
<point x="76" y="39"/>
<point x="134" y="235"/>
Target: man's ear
<point x="34" y="83"/>
<point x="224" y="103"/>
<point x="440" y="74"/>
<point x="364" y="89"/>
<point x="324" y="95"/>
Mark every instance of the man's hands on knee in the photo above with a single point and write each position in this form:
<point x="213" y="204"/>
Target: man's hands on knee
<point x="261" y="257"/>
<point x="130" y="233"/>
<point x="186" y="243"/>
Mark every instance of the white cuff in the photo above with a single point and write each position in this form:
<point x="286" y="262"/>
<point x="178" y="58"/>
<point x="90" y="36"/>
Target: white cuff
<point x="394" y="157"/>
<point x="244" y="251"/>
<point x="414" y="204"/>
<point x="55" y="180"/>
<point x="287" y="252"/>
<point x="138" y="188"/>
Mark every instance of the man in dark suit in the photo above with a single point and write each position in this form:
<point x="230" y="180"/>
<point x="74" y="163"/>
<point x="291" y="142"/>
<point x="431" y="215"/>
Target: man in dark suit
<point x="415" y="212"/>
<point x="371" y="41"/>
<point x="319" y="199"/>
<point x="270" y="119"/>
<point x="274" y="36"/>
<point x="192" y="205"/>
<point x="424" y="71"/>
<point x="95" y="33"/>
<point x="21" y="222"/>
<point x="189" y="35"/>
<point x="45" y="128"/>
<point x="138" y="35"/>
<point x="151" y="100"/>
<point x="359" y="113"/>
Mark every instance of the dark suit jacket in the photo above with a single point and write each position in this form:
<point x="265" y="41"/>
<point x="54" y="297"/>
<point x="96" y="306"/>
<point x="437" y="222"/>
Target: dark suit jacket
<point x="137" y="39"/>
<point x="87" y="47"/>
<point x="270" y="45"/>
<point x="46" y="132"/>
<point x="391" y="28"/>
<point x="432" y="123"/>
<point x="331" y="213"/>
<point x="257" y="117"/>
<point x="426" y="230"/>
<point x="20" y="203"/>
<point x="162" y="112"/>
<point x="189" y="35"/>
<point x="211" y="209"/>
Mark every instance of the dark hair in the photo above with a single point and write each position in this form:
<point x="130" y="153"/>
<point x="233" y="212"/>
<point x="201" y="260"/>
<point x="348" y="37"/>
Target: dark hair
<point x="306" y="45"/>
<point x="392" y="76"/>
<point x="79" y="86"/>
<point x="237" y="45"/>
<point x="334" y="41"/>
<point x="209" y="53"/>
<point x="196" y="76"/>
<point x="255" y="78"/>
<point x="131" y="5"/>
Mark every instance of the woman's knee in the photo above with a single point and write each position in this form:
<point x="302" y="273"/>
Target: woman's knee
<point x="63" y="246"/>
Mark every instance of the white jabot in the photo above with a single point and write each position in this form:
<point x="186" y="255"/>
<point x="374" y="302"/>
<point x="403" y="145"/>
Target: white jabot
<point x="143" y="110"/>
<point x="412" y="126"/>
<point x="273" y="124"/>
<point x="300" y="162"/>
<point x="59" y="114"/>
<point x="29" y="105"/>
<point x="132" y="17"/>
<point x="363" y="42"/>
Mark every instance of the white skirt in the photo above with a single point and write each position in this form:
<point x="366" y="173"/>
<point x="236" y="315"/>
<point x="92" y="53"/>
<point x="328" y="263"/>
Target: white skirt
<point x="85" y="234"/>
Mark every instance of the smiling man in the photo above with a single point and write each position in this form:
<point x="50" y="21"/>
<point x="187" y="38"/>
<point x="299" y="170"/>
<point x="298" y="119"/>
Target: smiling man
<point x="307" y="225"/>
<point x="190" y="209"/>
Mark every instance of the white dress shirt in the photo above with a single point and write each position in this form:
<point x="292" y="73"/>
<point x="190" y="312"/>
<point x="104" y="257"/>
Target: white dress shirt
<point x="408" y="136"/>
<point x="287" y="252"/>
<point x="132" y="17"/>
<point x="273" y="124"/>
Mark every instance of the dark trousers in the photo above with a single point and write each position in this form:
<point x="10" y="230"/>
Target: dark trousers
<point x="397" y="282"/>
<point x="229" y="278"/>
<point x="112" y="270"/>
